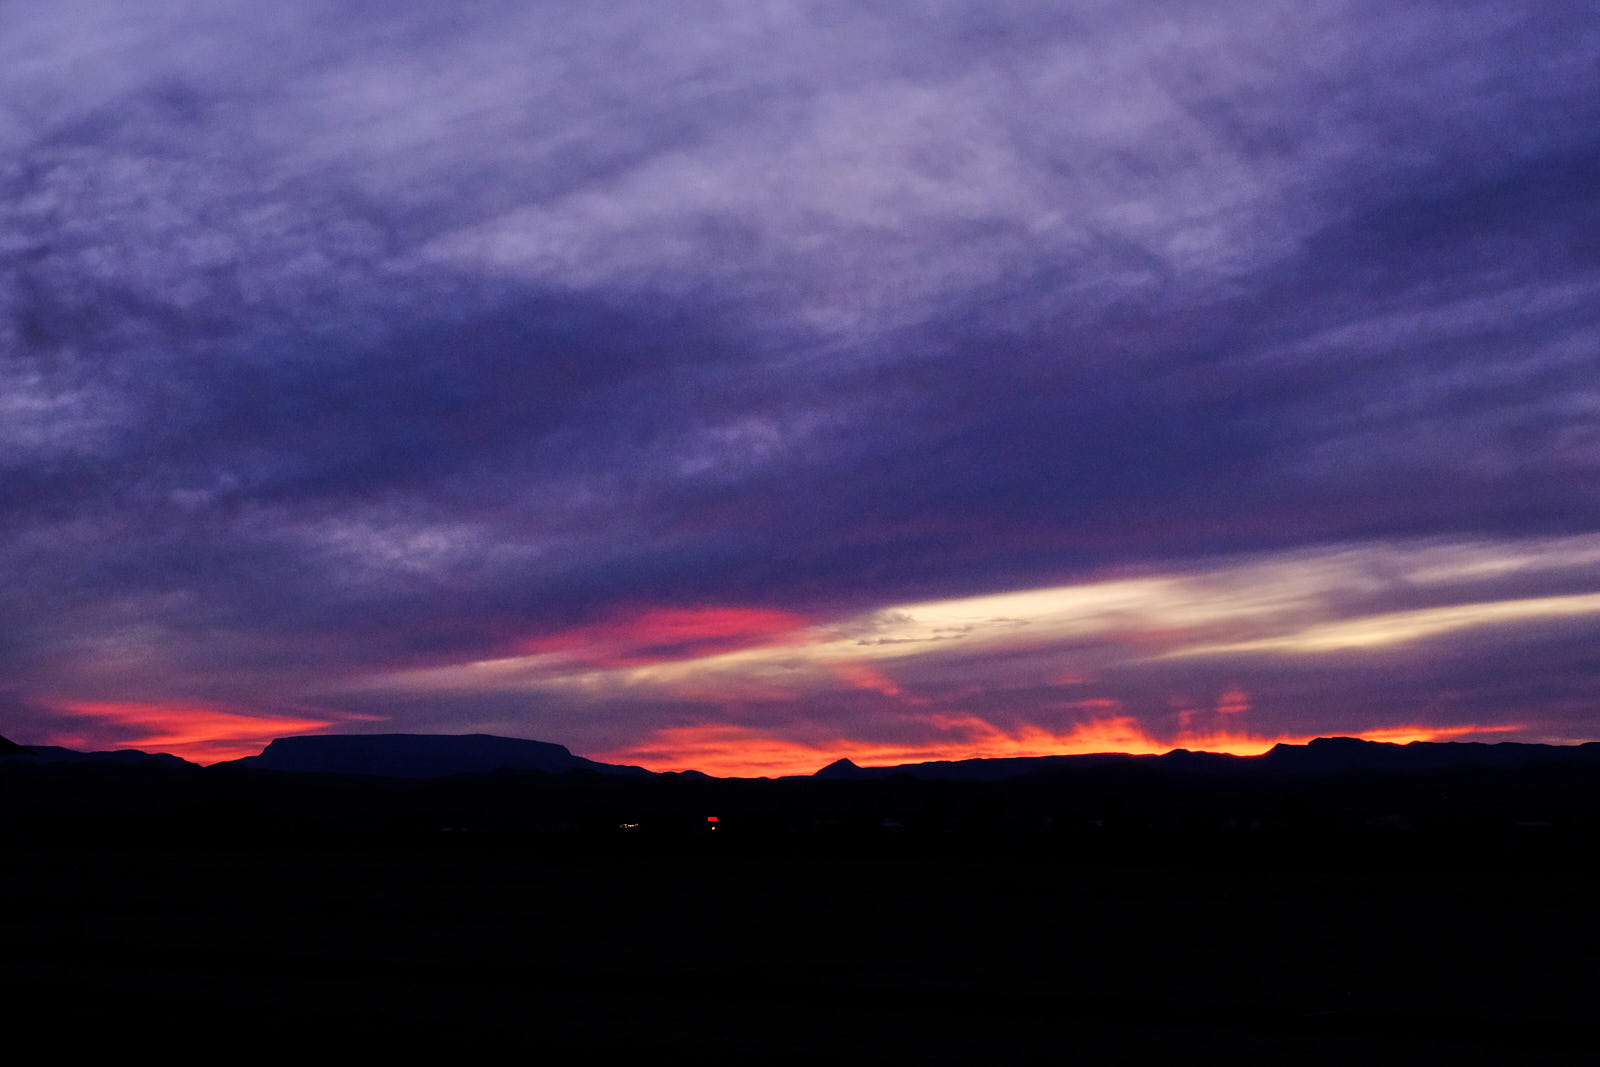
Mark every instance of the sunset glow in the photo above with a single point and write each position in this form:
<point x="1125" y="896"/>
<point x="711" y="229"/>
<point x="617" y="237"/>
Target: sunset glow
<point x="1284" y="603"/>
<point x="1062" y="644"/>
<point x="198" y="733"/>
<point x="743" y="752"/>
<point x="1059" y="640"/>
<point x="711" y="380"/>
<point x="665" y="634"/>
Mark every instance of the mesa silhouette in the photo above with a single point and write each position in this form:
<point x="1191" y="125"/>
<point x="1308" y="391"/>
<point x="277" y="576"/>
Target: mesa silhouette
<point x="421" y="755"/>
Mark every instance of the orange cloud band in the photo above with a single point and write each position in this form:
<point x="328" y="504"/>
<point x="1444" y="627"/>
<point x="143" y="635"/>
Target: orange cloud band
<point x="744" y="752"/>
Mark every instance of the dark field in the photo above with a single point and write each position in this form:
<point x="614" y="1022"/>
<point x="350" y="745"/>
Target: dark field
<point x="849" y="952"/>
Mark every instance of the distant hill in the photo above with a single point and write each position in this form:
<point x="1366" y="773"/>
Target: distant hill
<point x="982" y="770"/>
<point x="421" y="755"/>
<point x="57" y="754"/>
<point x="1324" y="755"/>
<point x="1329" y="754"/>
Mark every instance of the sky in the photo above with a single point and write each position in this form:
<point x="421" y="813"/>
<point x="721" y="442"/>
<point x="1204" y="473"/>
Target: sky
<point x="747" y="384"/>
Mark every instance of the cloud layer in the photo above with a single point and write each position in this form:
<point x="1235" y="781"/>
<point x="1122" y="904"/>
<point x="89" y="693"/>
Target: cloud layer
<point x="339" y="343"/>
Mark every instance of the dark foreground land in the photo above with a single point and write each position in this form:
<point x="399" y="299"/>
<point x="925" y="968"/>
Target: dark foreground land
<point x="844" y="953"/>
<point x="1095" y="914"/>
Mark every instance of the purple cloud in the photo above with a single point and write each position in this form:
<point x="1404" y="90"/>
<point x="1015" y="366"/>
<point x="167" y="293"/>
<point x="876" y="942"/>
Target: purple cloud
<point x="340" y="340"/>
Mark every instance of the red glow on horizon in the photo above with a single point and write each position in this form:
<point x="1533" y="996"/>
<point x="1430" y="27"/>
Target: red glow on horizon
<point x="730" y="751"/>
<point x="662" y="635"/>
<point x="196" y="732"/>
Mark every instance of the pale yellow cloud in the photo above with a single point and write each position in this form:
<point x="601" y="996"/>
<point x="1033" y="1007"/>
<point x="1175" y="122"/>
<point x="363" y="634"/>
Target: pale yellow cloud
<point x="1303" y="602"/>
<point x="1401" y="627"/>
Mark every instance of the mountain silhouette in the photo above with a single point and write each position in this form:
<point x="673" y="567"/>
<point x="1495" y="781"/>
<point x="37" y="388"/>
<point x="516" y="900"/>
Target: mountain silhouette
<point x="421" y="755"/>
<point x="57" y="754"/>
<point x="1337" y="797"/>
<point x="1334" y="754"/>
<point x="1324" y="755"/>
<point x="979" y="769"/>
<point x="841" y="768"/>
